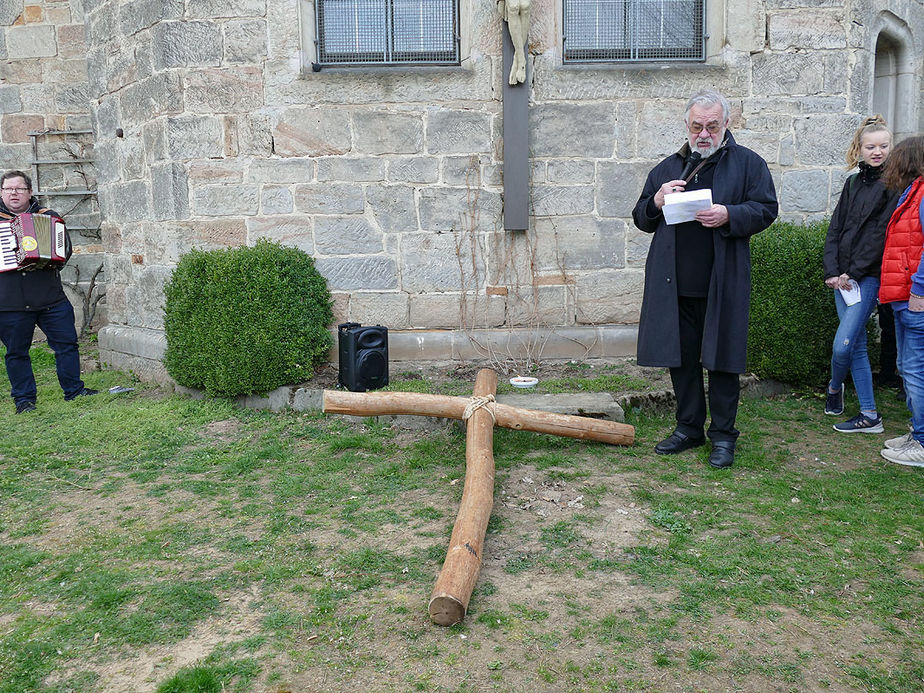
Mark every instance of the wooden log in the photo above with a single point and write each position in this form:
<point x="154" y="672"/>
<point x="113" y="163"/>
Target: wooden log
<point x="453" y="588"/>
<point x="442" y="406"/>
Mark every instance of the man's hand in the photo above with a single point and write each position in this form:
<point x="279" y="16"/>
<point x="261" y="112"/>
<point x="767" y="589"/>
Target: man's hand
<point x="715" y="216"/>
<point x="670" y="186"/>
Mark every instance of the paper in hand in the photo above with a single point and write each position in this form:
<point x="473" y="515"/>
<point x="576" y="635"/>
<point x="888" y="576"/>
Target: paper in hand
<point x="851" y="295"/>
<point x="683" y="206"/>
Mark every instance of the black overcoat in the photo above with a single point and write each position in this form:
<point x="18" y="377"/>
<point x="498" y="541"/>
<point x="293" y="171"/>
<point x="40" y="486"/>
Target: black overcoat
<point x="742" y="183"/>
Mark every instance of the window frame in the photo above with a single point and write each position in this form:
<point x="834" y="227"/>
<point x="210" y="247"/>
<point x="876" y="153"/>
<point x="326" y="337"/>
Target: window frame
<point x="634" y="54"/>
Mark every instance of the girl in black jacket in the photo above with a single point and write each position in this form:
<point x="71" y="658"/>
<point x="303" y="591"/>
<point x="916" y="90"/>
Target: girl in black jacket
<point x="852" y="259"/>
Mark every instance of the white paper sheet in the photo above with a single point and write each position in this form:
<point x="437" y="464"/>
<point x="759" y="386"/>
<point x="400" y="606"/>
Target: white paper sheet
<point x="683" y="206"/>
<point x="851" y="295"/>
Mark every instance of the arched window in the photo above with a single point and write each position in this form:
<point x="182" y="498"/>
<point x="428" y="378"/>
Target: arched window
<point x="895" y="82"/>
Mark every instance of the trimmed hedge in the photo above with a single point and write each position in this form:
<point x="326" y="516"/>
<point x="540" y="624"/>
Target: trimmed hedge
<point x="793" y="319"/>
<point x="246" y="320"/>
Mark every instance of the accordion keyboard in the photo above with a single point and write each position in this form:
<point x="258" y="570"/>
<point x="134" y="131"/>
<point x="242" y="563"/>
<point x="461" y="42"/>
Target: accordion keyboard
<point x="7" y="248"/>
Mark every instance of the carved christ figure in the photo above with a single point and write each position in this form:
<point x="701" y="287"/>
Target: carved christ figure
<point x="516" y="14"/>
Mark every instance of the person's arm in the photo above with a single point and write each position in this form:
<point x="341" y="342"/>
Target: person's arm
<point x="647" y="213"/>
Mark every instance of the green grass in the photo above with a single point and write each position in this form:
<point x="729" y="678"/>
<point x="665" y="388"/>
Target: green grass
<point x="308" y="548"/>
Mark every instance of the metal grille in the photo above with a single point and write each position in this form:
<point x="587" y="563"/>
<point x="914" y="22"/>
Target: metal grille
<point x="387" y="32"/>
<point x="634" y="30"/>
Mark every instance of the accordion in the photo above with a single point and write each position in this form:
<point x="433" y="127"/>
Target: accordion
<point x="34" y="241"/>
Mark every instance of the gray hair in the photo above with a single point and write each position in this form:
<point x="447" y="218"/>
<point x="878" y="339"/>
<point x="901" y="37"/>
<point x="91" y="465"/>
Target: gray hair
<point x="708" y="97"/>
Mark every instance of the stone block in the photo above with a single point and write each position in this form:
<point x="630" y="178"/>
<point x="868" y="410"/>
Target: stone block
<point x="561" y="200"/>
<point x="413" y="169"/>
<point x="280" y="171"/>
<point x="131" y="158"/>
<point x="767" y="144"/>
<point x="72" y="99"/>
<point x="662" y="132"/>
<point x="439" y="262"/>
<point x="253" y="135"/>
<point x="277" y="400"/>
<point x="380" y="308"/>
<point x="102" y="27"/>
<point x="802" y="30"/>
<point x="226" y="200"/>
<point x="414" y="345"/>
<point x="71" y="41"/>
<point x="39" y="98"/>
<point x="824" y="104"/>
<point x="245" y="40"/>
<point x="304" y="131"/>
<point x="609" y="296"/>
<point x="293" y="231"/>
<point x="329" y="198"/>
<point x="619" y="186"/>
<point x="276" y="199"/>
<point x="463" y="170"/>
<point x="805" y="191"/>
<point x="194" y="137"/>
<point x="215" y="172"/>
<point x="307" y="399"/>
<point x="16" y="127"/>
<point x="788" y="73"/>
<point x="170" y="190"/>
<point x="537" y="305"/>
<point x="63" y="72"/>
<point x="346" y="235"/>
<point x="143" y="14"/>
<point x="382" y="132"/>
<point x="127" y="202"/>
<point x="577" y="243"/>
<point x="224" y="90"/>
<point x="206" y="234"/>
<point x="351" y="169"/>
<point x="459" y="209"/>
<point x="145" y="296"/>
<point x="456" y="310"/>
<point x="186" y="44"/>
<point x="9" y="99"/>
<point x="821" y="139"/>
<point x="637" y="243"/>
<point x="151" y="97"/>
<point x="570" y="171"/>
<point x="10" y="11"/>
<point x="392" y="207"/>
<point x="458" y="132"/>
<point x="570" y="129"/>
<point x="219" y="9"/>
<point x="96" y="73"/>
<point x="23" y="71"/>
<point x="31" y="41"/>
<point x="351" y="273"/>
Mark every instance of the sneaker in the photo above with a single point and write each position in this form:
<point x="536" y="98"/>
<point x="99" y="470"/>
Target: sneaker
<point x="834" y="402"/>
<point x="899" y="442"/>
<point x="23" y="407"/>
<point x="911" y="454"/>
<point x="861" y="423"/>
<point x="82" y="392"/>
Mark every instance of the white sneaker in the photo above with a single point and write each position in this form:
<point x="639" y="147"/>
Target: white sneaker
<point x="900" y="442"/>
<point x="911" y="454"/>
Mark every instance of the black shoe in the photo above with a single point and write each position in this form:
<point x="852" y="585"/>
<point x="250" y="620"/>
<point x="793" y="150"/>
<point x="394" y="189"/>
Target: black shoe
<point x="23" y="407"/>
<point x="723" y="454"/>
<point x="678" y="442"/>
<point x="834" y="401"/>
<point x="82" y="392"/>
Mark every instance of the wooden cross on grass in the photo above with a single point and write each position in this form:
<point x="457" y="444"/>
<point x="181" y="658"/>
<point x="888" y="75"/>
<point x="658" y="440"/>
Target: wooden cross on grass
<point x="453" y="588"/>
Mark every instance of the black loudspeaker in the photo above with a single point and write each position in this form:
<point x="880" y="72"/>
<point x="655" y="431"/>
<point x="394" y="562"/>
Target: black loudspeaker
<point x="363" y="356"/>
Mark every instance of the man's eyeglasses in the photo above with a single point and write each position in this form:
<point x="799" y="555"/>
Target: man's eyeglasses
<point x="16" y="190"/>
<point x="712" y="128"/>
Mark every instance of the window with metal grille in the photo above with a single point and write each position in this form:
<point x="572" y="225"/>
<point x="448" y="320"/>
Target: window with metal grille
<point x="388" y="32"/>
<point x="633" y="30"/>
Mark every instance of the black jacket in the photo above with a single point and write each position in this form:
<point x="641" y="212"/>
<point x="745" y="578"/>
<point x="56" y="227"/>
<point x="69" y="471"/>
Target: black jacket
<point x="742" y="183"/>
<point x="31" y="289"/>
<point x="856" y="234"/>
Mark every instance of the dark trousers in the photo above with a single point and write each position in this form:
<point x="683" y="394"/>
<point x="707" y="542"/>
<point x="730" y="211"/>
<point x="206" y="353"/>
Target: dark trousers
<point x="887" y="353"/>
<point x="689" y="387"/>
<point x="57" y="323"/>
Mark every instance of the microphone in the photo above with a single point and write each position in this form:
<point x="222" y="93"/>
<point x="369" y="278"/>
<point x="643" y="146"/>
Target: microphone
<point x="692" y="161"/>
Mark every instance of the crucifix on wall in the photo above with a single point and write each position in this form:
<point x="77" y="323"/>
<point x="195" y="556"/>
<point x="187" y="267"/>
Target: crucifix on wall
<point x="516" y="114"/>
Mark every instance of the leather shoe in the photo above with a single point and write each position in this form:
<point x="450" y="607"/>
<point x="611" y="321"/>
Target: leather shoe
<point x="677" y="442"/>
<point x="723" y="454"/>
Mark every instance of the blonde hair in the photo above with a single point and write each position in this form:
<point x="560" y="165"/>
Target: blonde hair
<point x="874" y="123"/>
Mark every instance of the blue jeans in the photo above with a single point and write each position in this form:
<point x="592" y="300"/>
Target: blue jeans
<point x="909" y="343"/>
<point x="849" y="350"/>
<point x="57" y="323"/>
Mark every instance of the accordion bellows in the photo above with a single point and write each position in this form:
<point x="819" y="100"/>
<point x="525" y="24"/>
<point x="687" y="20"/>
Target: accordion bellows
<point x="33" y="240"/>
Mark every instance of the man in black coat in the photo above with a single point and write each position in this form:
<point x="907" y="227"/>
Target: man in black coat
<point x="698" y="274"/>
<point x="35" y="297"/>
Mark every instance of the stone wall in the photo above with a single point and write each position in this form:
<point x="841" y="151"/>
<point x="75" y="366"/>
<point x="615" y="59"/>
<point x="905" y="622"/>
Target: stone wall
<point x="210" y="132"/>
<point x="43" y="88"/>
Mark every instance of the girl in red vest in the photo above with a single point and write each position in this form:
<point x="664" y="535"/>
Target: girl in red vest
<point x="853" y="253"/>
<point x="902" y="286"/>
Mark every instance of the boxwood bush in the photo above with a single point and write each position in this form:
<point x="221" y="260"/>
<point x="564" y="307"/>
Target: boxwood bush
<point x="793" y="319"/>
<point x="246" y="320"/>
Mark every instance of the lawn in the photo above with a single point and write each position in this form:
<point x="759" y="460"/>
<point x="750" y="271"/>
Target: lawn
<point x="152" y="542"/>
